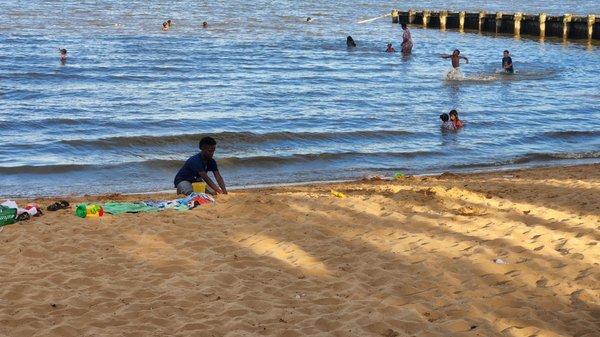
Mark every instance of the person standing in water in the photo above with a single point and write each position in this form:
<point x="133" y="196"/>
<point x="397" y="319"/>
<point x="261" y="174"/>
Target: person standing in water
<point x="455" y="72"/>
<point x="507" y="63"/>
<point x="406" y="40"/>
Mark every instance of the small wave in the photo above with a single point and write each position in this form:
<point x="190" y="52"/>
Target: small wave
<point x="531" y="157"/>
<point x="227" y="162"/>
<point x="572" y="133"/>
<point x="232" y="138"/>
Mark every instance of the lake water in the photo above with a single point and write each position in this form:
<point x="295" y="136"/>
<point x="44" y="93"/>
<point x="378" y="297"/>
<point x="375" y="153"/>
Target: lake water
<point x="285" y="99"/>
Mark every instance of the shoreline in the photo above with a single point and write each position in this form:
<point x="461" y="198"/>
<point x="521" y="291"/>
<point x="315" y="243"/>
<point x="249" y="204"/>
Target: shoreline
<point x="465" y="171"/>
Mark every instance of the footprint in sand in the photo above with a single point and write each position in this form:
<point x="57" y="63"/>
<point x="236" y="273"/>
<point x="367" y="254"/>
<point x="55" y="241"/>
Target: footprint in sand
<point x="538" y="248"/>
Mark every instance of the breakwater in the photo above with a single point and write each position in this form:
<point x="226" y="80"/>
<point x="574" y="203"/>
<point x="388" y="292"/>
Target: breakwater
<point x="566" y="26"/>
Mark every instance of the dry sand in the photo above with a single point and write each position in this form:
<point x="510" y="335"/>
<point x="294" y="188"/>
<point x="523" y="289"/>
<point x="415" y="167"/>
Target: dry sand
<point x="412" y="257"/>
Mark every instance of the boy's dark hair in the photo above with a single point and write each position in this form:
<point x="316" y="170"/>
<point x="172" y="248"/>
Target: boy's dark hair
<point x="206" y="141"/>
<point x="457" y="51"/>
<point x="63" y="51"/>
<point x="453" y="112"/>
<point x="403" y="25"/>
<point x="444" y="117"/>
<point x="506" y="51"/>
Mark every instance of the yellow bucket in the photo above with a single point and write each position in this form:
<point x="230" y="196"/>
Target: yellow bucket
<point x="199" y="187"/>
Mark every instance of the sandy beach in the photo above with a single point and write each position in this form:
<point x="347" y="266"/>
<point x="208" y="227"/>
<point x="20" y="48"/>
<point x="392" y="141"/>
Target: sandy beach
<point x="492" y="254"/>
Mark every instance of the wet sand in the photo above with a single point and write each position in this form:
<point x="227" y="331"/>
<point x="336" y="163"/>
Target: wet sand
<point x="494" y="254"/>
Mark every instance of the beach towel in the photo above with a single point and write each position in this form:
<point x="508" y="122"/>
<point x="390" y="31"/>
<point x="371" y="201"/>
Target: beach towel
<point x="127" y="207"/>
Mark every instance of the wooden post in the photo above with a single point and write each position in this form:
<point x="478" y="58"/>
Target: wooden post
<point x="518" y="18"/>
<point x="395" y="17"/>
<point x="481" y="19"/>
<point x="411" y="16"/>
<point x="498" y="21"/>
<point x="426" y="15"/>
<point x="443" y="17"/>
<point x="590" y="25"/>
<point x="566" y="22"/>
<point x="542" y="18"/>
<point x="461" y="21"/>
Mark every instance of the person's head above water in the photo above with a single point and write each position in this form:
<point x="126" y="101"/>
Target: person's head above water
<point x="444" y="117"/>
<point x="453" y="114"/>
<point x="456" y="52"/>
<point x="204" y="24"/>
<point x="308" y="19"/>
<point x="169" y="22"/>
<point x="208" y="146"/>
<point x="506" y="53"/>
<point x="350" y="41"/>
<point x="63" y="51"/>
<point x="404" y="26"/>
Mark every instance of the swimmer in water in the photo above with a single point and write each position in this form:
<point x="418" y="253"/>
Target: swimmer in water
<point x="63" y="55"/>
<point x="350" y="42"/>
<point x="507" y="63"/>
<point x="390" y="49"/>
<point x="455" y="58"/>
<point x="454" y="119"/>
<point x="446" y="123"/>
<point x="169" y="23"/>
<point x="204" y="24"/>
<point x="406" y="40"/>
<point x="165" y="26"/>
<point x="308" y="19"/>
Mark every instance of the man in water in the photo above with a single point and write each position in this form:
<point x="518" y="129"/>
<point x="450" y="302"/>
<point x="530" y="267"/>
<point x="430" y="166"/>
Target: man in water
<point x="455" y="58"/>
<point x="204" y="24"/>
<point x="507" y="63"/>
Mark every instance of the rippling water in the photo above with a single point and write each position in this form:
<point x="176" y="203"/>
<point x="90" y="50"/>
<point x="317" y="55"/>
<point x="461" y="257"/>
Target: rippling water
<point x="284" y="98"/>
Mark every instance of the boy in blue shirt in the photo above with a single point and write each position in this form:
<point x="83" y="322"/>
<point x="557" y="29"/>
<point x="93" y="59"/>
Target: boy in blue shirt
<point x="196" y="169"/>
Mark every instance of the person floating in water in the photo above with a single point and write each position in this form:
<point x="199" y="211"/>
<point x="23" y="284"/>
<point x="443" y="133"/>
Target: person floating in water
<point x="406" y="40"/>
<point x="165" y="26"/>
<point x="63" y="55"/>
<point x="446" y="123"/>
<point x="455" y="72"/>
<point x="507" y="63"/>
<point x="196" y="169"/>
<point x="455" y="120"/>
<point x="308" y="19"/>
<point x="350" y="42"/>
<point x="204" y="24"/>
<point x="390" y="49"/>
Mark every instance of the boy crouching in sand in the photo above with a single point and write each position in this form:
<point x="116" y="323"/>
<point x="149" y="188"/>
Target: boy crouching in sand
<point x="196" y="169"/>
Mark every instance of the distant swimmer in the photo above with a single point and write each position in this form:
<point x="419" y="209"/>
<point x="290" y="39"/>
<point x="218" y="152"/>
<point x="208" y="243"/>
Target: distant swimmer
<point x="390" y="49"/>
<point x="455" y="120"/>
<point x="165" y="26"/>
<point x="63" y="55"/>
<point x="507" y="63"/>
<point x="350" y="42"/>
<point x="455" y="73"/>
<point x="308" y="19"/>
<point x="446" y="123"/>
<point x="204" y="24"/>
<point x="169" y="23"/>
<point x="406" y="41"/>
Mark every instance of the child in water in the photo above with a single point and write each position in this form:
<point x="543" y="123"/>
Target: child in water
<point x="454" y="118"/>
<point x="390" y="49"/>
<point x="446" y="123"/>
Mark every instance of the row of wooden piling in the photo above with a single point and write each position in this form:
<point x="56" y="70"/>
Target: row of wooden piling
<point x="566" y="26"/>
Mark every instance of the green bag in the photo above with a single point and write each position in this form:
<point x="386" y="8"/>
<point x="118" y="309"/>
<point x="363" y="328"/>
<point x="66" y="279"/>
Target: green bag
<point x="7" y="215"/>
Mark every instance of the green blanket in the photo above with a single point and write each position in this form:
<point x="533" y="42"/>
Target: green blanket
<point x="127" y="207"/>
